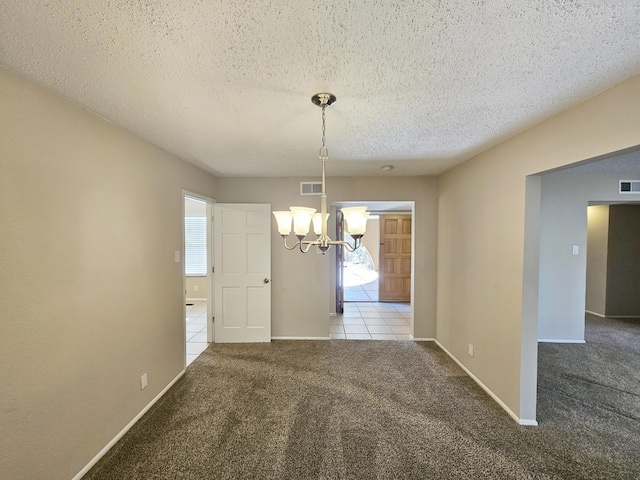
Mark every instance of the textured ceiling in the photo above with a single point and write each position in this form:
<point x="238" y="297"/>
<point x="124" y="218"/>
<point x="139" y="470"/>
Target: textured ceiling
<point x="422" y="85"/>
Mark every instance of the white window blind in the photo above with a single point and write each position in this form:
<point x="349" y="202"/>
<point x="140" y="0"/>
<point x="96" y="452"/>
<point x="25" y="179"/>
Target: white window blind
<point x="195" y="246"/>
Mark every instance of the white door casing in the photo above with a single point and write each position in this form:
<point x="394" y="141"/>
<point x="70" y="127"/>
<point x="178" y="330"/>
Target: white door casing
<point x="242" y="253"/>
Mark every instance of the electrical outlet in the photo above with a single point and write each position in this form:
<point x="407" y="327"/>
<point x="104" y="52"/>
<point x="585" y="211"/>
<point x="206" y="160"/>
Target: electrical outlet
<point x="470" y="350"/>
<point x="143" y="381"/>
<point x="195" y="288"/>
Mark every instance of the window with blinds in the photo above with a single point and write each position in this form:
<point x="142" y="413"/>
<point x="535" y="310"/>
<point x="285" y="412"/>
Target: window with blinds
<point x="195" y="246"/>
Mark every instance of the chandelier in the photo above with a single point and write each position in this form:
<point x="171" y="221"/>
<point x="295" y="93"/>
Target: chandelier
<point x="303" y="217"/>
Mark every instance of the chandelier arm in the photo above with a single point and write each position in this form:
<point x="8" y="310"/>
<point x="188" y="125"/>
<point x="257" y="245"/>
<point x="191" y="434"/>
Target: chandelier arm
<point x="357" y="242"/>
<point x="284" y="238"/>
<point x="308" y="244"/>
<point x="348" y="246"/>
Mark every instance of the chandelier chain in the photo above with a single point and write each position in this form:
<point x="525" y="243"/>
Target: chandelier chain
<point x="324" y="153"/>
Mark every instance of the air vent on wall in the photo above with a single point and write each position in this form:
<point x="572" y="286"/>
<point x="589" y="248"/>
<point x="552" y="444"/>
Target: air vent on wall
<point x="630" y="186"/>
<point x="310" y="188"/>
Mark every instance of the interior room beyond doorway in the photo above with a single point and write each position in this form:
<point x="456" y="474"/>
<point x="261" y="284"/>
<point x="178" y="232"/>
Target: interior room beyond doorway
<point x="197" y="274"/>
<point x="381" y="269"/>
<point x="365" y="315"/>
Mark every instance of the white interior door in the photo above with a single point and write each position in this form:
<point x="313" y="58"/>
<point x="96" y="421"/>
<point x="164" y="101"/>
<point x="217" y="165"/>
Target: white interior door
<point x="242" y="245"/>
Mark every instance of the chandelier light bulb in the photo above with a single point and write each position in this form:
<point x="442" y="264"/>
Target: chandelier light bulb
<point x="284" y="219"/>
<point x="318" y="221"/>
<point x="302" y="219"/>
<point x="356" y="218"/>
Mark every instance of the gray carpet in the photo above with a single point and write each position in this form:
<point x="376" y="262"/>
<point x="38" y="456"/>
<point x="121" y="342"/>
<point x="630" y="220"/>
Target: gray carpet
<point x="373" y="409"/>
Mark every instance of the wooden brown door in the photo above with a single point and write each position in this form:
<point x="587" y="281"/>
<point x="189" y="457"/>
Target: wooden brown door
<point x="395" y="258"/>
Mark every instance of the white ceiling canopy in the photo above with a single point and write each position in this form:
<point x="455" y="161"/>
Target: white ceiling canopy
<point x="227" y="85"/>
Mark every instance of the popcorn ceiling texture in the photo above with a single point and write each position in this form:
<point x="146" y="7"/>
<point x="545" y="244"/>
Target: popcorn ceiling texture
<point x="422" y="85"/>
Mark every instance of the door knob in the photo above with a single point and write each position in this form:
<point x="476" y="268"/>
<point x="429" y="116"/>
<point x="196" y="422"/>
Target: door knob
<point x="266" y="280"/>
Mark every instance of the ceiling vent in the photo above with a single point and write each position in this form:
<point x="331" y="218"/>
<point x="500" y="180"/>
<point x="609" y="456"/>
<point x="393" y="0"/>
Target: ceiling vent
<point x="630" y="186"/>
<point x="310" y="188"/>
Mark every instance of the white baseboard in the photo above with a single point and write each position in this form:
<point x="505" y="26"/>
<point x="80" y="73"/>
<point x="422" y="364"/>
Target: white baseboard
<point x="300" y="338"/>
<point x="115" y="439"/>
<point x="197" y="299"/>
<point x="611" y="316"/>
<point x="559" y="340"/>
<point x="527" y="423"/>
<point x="521" y="421"/>
<point x="329" y="338"/>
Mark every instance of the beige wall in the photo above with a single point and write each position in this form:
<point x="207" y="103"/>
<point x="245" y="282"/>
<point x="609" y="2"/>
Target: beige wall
<point x="91" y="217"/>
<point x="482" y="283"/>
<point x="301" y="290"/>
<point x="191" y="283"/>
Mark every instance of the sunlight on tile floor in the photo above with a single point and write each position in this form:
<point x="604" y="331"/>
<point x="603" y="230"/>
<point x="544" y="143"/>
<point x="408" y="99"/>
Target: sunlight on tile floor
<point x="356" y="286"/>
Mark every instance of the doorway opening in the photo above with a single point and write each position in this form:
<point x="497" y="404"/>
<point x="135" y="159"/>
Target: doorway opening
<point x="360" y="269"/>
<point x="197" y="280"/>
<point x="613" y="260"/>
<point x="374" y="283"/>
<point x="557" y="246"/>
<point x="381" y="269"/>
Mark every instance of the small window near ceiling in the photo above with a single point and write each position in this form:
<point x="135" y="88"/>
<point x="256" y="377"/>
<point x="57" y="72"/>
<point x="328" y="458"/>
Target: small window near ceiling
<point x="195" y="246"/>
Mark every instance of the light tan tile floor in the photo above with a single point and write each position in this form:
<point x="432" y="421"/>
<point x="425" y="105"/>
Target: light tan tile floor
<point x="196" y="330"/>
<point x="360" y="321"/>
<point x="372" y="321"/>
